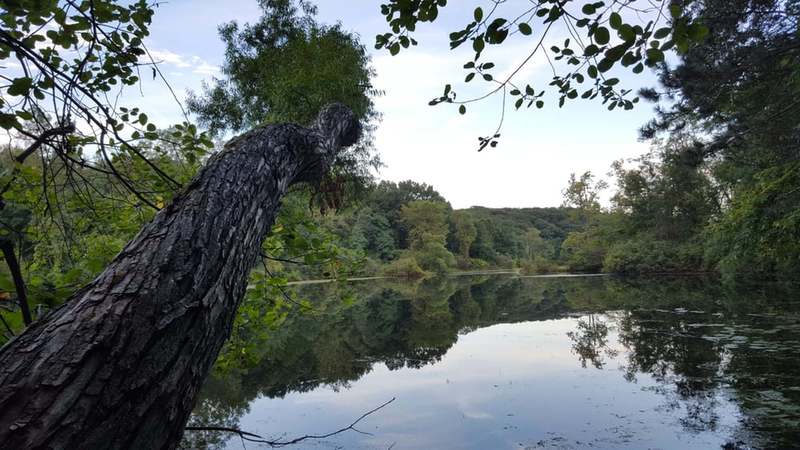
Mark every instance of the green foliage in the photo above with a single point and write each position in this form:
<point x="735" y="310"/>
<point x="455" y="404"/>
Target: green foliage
<point x="405" y="267"/>
<point x="539" y="265"/>
<point x="64" y="62"/>
<point x="535" y="246"/>
<point x="644" y="254"/>
<point x="760" y="232"/>
<point x="428" y="228"/>
<point x="426" y="222"/>
<point x="463" y="232"/>
<point x="434" y="257"/>
<point x="66" y="236"/>
<point x="286" y="67"/>
<point x="600" y="41"/>
<point x="501" y="232"/>
<point x="584" y="251"/>
<point x="583" y="193"/>
<point x="112" y="32"/>
<point x="668" y="193"/>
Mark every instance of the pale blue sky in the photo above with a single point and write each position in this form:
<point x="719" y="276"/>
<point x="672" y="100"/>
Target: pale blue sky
<point x="539" y="148"/>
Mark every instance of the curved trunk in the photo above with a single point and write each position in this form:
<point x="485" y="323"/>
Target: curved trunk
<point x="119" y="365"/>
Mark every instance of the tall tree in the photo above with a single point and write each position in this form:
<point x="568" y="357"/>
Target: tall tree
<point x="284" y="68"/>
<point x="463" y="232"/>
<point x="119" y="364"/>
<point x="583" y="192"/>
<point x="734" y="99"/>
<point x="426" y="221"/>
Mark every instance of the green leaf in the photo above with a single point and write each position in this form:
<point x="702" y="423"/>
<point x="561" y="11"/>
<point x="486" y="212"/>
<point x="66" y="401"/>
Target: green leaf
<point x="20" y="86"/>
<point x="478" y="14"/>
<point x="615" y="53"/>
<point x="655" y="55"/>
<point x="604" y="65"/>
<point x="627" y="33"/>
<point x="615" y="20"/>
<point x="525" y="29"/>
<point x="478" y="44"/>
<point x="601" y="35"/>
<point x="462" y="109"/>
<point x="661" y="33"/>
<point x="494" y="33"/>
<point x="8" y="121"/>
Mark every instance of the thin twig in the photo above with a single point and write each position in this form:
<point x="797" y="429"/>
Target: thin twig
<point x="3" y="319"/>
<point x="252" y="437"/>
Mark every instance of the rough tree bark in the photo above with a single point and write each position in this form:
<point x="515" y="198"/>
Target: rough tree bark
<point x="119" y="365"/>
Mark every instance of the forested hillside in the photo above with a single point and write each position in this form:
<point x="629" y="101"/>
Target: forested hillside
<point x="409" y="229"/>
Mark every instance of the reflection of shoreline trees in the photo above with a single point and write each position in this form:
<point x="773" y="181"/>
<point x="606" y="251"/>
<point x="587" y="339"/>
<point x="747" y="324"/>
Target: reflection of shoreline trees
<point x="590" y="341"/>
<point x="352" y="327"/>
<point x="719" y="345"/>
<point x="405" y="324"/>
<point x="671" y="350"/>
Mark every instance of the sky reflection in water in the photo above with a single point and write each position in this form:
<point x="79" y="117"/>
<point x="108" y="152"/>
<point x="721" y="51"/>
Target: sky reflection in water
<point x="507" y="363"/>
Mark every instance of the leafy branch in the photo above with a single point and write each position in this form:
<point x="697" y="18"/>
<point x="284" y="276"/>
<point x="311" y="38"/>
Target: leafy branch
<point x="604" y="34"/>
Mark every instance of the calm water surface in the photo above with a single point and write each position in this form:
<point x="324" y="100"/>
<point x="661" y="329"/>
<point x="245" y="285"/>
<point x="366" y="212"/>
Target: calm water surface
<point x="504" y="362"/>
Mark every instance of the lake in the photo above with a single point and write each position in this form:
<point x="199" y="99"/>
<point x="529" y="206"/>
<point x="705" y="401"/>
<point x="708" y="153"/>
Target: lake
<point x="508" y="362"/>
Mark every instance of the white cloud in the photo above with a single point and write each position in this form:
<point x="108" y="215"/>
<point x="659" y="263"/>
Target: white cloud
<point x="166" y="56"/>
<point x="198" y="65"/>
<point x="204" y="68"/>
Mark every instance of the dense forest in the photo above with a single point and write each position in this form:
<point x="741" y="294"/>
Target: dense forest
<point x="81" y="175"/>
<point x="717" y="193"/>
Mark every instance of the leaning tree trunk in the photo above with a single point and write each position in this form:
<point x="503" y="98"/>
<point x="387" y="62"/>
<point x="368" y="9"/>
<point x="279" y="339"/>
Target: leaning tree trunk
<point x="120" y="364"/>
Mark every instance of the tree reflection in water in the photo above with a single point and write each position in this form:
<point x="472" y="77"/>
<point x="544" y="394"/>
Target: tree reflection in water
<point x="702" y="342"/>
<point x="590" y="341"/>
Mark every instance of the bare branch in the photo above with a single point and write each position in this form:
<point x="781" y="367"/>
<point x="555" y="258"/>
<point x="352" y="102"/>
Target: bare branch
<point x="252" y="437"/>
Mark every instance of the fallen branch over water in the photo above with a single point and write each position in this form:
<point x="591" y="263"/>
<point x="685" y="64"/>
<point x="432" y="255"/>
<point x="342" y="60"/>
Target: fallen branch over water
<point x="252" y="437"/>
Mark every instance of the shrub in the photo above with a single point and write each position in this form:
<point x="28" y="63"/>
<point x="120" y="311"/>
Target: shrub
<point x="434" y="257"/>
<point x="646" y="255"/>
<point x="537" y="265"/>
<point x="584" y="251"/>
<point x="406" y="267"/>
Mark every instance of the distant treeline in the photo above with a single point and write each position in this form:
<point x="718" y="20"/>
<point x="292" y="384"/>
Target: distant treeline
<point x="409" y="229"/>
<point x="668" y="214"/>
